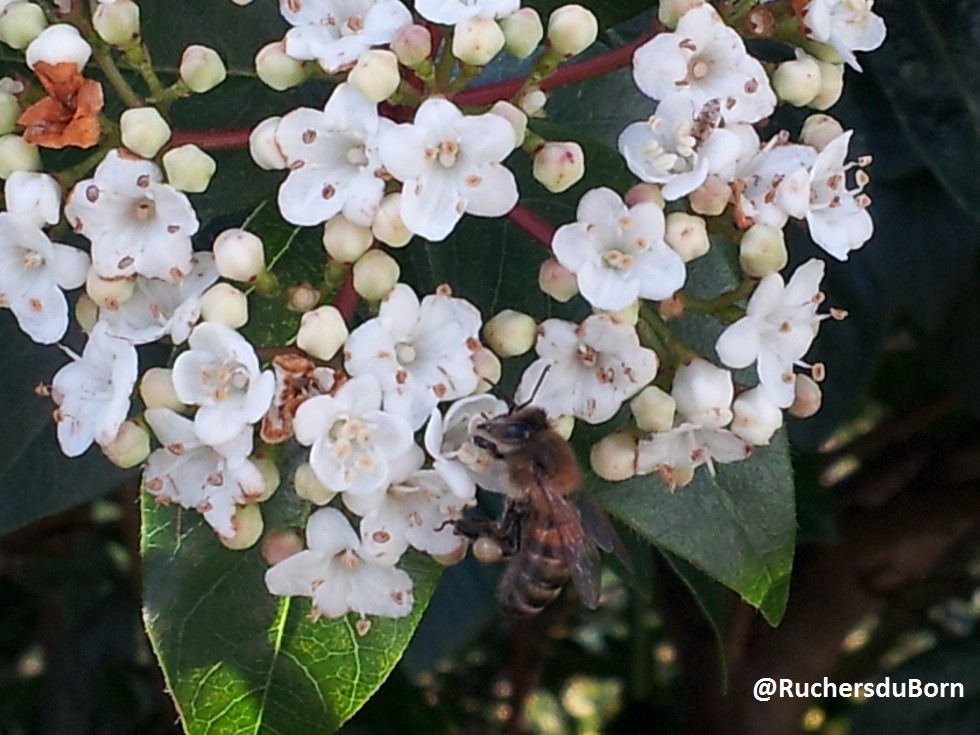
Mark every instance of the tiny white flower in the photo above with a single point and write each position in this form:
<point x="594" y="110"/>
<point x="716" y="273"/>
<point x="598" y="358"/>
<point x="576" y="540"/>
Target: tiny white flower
<point x="845" y="25"/>
<point x="137" y="224"/>
<point x="617" y="253"/>
<point x="34" y="270"/>
<point x="449" y="164"/>
<point x="220" y="373"/>
<point x="837" y="217"/>
<point x="451" y="12"/>
<point x="213" y="480"/>
<point x="333" y="161"/>
<point x="159" y="308"/>
<point x="757" y="418"/>
<point x="337" y="32"/>
<point x="92" y="392"/>
<point x="774" y="185"/>
<point x="353" y="442"/>
<point x="592" y="368"/>
<point x="336" y="573"/>
<point x="420" y="353"/>
<point x="779" y="325"/>
<point x="705" y="60"/>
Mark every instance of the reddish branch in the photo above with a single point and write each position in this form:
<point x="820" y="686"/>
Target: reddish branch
<point x="212" y="140"/>
<point x="532" y="224"/>
<point x="346" y="297"/>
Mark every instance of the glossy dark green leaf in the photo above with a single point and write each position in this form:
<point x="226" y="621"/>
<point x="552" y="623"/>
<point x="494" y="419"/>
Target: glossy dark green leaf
<point x="609" y="12"/>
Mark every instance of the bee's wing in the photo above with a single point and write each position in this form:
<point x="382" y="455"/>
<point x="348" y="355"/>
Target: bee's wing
<point x="578" y="551"/>
<point x="598" y="526"/>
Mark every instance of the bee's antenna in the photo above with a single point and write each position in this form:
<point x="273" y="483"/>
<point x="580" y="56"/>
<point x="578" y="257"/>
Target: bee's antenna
<point x="533" y="392"/>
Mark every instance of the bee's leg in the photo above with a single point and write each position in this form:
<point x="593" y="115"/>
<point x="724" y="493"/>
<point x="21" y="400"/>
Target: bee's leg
<point x="509" y="527"/>
<point x="474" y="528"/>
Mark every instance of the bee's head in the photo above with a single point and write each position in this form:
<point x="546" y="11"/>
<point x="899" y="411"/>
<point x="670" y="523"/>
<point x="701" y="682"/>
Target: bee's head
<point x="504" y="435"/>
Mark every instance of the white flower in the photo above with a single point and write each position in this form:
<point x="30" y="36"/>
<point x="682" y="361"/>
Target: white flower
<point x="703" y="393"/>
<point x="449" y="163"/>
<point x="33" y="270"/>
<point x="333" y="161"/>
<point x="353" y="442"/>
<point x="159" y="308"/>
<point x="838" y="219"/>
<point x="774" y="185"/>
<point x="592" y="368"/>
<point x="336" y="573"/>
<point x="617" y="253"/>
<point x="420" y="353"/>
<point x="679" y="146"/>
<point x="451" y="12"/>
<point x="779" y="325"/>
<point x="757" y="418"/>
<point x="705" y="60"/>
<point x="220" y="373"/>
<point x="845" y="25"/>
<point x="137" y="224"/>
<point x="93" y="391"/>
<point x="59" y="43"/>
<point x="213" y="480"/>
<point x="337" y="32"/>
<point x="446" y="440"/>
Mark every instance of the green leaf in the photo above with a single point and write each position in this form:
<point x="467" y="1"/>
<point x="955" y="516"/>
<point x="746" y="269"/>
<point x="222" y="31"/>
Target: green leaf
<point x="238" y="660"/>
<point x="609" y="12"/>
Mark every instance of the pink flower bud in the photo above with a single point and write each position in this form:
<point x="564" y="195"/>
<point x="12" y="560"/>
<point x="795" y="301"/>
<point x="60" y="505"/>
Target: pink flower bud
<point x="557" y="281"/>
<point x="201" y="69"/>
<point x="412" y="45"/>
<point x="613" y="457"/>
<point x="559" y="166"/>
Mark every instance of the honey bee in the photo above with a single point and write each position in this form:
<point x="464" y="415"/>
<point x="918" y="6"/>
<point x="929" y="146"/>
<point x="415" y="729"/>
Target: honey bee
<point x="541" y="529"/>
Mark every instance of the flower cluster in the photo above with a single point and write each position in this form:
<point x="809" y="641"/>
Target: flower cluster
<point x="381" y="408"/>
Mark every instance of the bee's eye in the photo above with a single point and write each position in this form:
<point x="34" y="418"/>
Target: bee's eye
<point x="517" y="432"/>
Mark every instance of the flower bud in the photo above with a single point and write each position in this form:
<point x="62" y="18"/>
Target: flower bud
<point x="831" y="86"/>
<point x="189" y="168"/>
<point x="276" y="69"/>
<point x="263" y="147"/>
<point x="224" y="304"/>
<point x="21" y="23"/>
<point x="239" y="255"/>
<point x="388" y="226"/>
<point x="412" y="45"/>
<point x="644" y="194"/>
<point x="281" y="543"/>
<point x="9" y="112"/>
<point x="557" y="281"/>
<point x="201" y="69"/>
<point x="670" y="11"/>
<point x="675" y="477"/>
<point x="86" y="312"/>
<point x="144" y="131"/>
<point x="270" y="477"/>
<point x="807" y="398"/>
<point x="302" y="298"/>
<point x="513" y="115"/>
<point x="309" y="487"/>
<point x="375" y="274"/>
<point x="559" y="166"/>
<point x="117" y="22"/>
<point x="711" y="198"/>
<point x="762" y="251"/>
<point x="823" y="52"/>
<point x="487" y="550"/>
<point x="563" y="426"/>
<point x="510" y="333"/>
<point x="344" y="241"/>
<point x="653" y="409"/>
<point x="572" y="29"/>
<point x="130" y="447"/>
<point x="532" y="102"/>
<point x="322" y="332"/>
<point x="375" y="75"/>
<point x="487" y="367"/>
<point x="157" y="390"/>
<point x="56" y="44"/>
<point x="756" y="417"/>
<point x="453" y="557"/>
<point x="819" y="129"/>
<point x="523" y="32"/>
<point x="108" y="293"/>
<point x="797" y="81"/>
<point x="627" y="315"/>
<point x="16" y="154"/>
<point x="477" y="40"/>
<point x="614" y="457"/>
<point x="687" y="235"/>
<point x="248" y="526"/>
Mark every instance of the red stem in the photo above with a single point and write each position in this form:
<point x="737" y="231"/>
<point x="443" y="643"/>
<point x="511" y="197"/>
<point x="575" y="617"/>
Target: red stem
<point x="598" y="65"/>
<point x="212" y="140"/>
<point x="347" y="297"/>
<point x="532" y="224"/>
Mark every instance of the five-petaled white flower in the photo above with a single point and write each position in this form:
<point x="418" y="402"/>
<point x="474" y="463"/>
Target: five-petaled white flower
<point x="449" y="164"/>
<point x="220" y="373"/>
<point x="159" y="308"/>
<point x="353" y="442"/>
<point x="774" y="184"/>
<point x="34" y="270"/>
<point x="617" y="253"/>
<point x="592" y="368"/>
<point x="779" y="325"/>
<point x="333" y="160"/>
<point x="845" y="25"/>
<point x="337" y="32"/>
<point x="338" y="575"/>
<point x="213" y="480"/>
<point x="705" y="60"/>
<point x="420" y="353"/>
<point x="451" y="12"/>
<point x="92" y="392"/>
<point x="137" y="224"/>
<point x="838" y="218"/>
